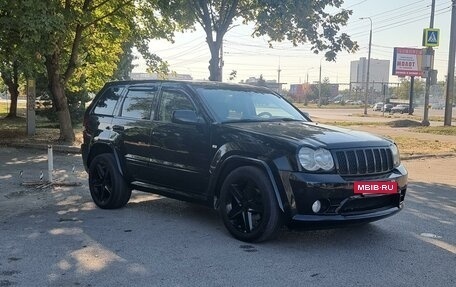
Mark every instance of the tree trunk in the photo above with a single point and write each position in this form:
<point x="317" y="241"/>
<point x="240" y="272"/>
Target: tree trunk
<point x="14" y="93"/>
<point x="59" y="98"/>
<point x="12" y="82"/>
<point x="214" y="62"/>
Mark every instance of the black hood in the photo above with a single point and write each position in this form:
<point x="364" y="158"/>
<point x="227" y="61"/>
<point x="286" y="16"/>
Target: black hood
<point x="312" y="134"/>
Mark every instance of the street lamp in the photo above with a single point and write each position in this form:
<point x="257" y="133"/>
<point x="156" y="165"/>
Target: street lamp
<point x="307" y="74"/>
<point x="319" y="85"/>
<point x="368" y="63"/>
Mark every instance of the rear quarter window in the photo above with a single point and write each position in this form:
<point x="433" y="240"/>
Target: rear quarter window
<point x="139" y="104"/>
<point x="108" y="100"/>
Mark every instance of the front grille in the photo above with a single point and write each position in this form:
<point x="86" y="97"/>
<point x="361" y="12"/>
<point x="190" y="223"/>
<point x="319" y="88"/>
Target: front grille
<point x="366" y="161"/>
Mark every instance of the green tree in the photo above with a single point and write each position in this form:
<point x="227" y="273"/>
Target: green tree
<point x="325" y="91"/>
<point x="233" y="75"/>
<point x="403" y="90"/>
<point x="80" y="42"/>
<point x="15" y="58"/>
<point x="125" y="65"/>
<point x="297" y="21"/>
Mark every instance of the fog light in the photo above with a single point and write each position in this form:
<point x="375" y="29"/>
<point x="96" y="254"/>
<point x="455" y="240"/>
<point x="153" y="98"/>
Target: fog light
<point x="316" y="206"/>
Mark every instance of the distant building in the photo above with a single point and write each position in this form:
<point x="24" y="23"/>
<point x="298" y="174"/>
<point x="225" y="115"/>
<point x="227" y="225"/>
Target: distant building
<point x="300" y="92"/>
<point x="271" y="84"/>
<point x="379" y="73"/>
<point x="303" y="92"/>
<point x="155" y="76"/>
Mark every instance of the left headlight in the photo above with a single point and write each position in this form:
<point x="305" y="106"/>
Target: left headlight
<point x="313" y="160"/>
<point x="396" y="155"/>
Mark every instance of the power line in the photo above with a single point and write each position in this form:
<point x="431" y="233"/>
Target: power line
<point x="409" y="15"/>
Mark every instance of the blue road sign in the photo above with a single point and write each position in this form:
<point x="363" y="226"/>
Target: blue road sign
<point x="431" y="37"/>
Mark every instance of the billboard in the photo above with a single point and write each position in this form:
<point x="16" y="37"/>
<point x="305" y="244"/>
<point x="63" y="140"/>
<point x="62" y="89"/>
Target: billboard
<point x="408" y="62"/>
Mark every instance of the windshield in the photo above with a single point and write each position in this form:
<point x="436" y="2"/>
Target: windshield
<point x="230" y="105"/>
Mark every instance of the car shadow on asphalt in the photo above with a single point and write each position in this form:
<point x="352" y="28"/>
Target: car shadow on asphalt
<point x="153" y="237"/>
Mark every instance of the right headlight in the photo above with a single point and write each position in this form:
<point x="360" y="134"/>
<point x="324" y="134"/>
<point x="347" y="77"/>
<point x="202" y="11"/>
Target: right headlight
<point x="396" y="155"/>
<point x="313" y="160"/>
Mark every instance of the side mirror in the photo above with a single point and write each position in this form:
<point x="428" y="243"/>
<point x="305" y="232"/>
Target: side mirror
<point x="185" y="117"/>
<point x="307" y="115"/>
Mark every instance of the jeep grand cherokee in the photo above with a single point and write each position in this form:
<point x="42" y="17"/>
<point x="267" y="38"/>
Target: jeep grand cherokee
<point x="246" y="151"/>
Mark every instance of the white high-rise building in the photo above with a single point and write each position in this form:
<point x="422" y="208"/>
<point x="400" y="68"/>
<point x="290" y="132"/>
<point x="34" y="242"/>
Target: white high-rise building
<point x="379" y="73"/>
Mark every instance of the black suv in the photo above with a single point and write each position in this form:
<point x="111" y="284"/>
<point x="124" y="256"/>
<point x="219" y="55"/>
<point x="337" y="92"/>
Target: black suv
<point x="243" y="150"/>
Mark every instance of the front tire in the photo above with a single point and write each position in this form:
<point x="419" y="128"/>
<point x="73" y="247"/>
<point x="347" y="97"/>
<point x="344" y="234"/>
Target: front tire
<point x="248" y="205"/>
<point x="108" y="188"/>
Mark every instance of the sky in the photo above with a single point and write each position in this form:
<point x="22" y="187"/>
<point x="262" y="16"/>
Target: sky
<point x="394" y="24"/>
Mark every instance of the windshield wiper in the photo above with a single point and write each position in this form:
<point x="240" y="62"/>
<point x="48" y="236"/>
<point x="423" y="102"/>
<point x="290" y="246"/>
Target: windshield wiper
<point x="244" y="121"/>
<point x="290" y="119"/>
<point x="273" y="119"/>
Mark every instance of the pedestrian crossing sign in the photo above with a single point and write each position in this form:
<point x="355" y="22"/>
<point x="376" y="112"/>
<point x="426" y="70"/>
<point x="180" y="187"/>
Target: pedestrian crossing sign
<point x="431" y="37"/>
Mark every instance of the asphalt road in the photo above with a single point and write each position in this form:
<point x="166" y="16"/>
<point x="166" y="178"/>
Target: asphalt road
<point x="57" y="237"/>
<point x="356" y="115"/>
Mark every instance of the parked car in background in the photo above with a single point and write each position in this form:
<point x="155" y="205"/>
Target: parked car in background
<point x="377" y="106"/>
<point x="387" y="108"/>
<point x="438" y="106"/>
<point x="43" y="102"/>
<point x="401" y="109"/>
<point x="242" y="150"/>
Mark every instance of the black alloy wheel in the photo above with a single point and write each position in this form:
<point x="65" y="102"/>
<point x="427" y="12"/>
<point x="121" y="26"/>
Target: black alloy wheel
<point x="248" y="205"/>
<point x="107" y="186"/>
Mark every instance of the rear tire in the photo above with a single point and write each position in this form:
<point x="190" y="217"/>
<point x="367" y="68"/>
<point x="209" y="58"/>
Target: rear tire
<point x="248" y="205"/>
<point x="108" y="188"/>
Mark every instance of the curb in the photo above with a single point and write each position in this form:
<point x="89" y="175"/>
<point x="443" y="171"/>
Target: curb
<point x="420" y="156"/>
<point x="55" y="148"/>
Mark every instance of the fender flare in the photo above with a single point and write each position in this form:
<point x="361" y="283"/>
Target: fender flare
<point x="104" y="147"/>
<point x="253" y="161"/>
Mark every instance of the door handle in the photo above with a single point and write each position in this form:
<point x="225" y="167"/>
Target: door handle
<point x="118" y="128"/>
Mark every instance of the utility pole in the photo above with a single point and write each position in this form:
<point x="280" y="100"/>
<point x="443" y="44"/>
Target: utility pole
<point x="384" y="87"/>
<point x="430" y="56"/>
<point x="31" y="115"/>
<point x="451" y="62"/>
<point x="278" y="79"/>
<point x="319" y="87"/>
<point x="368" y="65"/>
<point x="412" y="84"/>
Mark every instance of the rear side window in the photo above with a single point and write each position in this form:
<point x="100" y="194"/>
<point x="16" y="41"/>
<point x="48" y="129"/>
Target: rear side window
<point x="172" y="101"/>
<point x="139" y="104"/>
<point x="107" y="102"/>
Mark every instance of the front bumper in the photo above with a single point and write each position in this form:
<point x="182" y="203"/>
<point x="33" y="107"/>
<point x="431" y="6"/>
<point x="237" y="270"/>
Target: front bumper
<point x="339" y="204"/>
<point x="335" y="220"/>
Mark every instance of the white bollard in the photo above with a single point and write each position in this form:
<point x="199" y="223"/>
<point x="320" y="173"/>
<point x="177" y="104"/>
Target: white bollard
<point x="50" y="163"/>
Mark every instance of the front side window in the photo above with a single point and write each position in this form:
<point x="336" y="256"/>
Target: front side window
<point x="172" y="101"/>
<point x="139" y="104"/>
<point x="248" y="105"/>
<point x="105" y="106"/>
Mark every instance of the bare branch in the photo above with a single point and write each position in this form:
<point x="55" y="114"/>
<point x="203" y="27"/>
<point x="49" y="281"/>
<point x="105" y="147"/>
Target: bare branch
<point x="213" y="18"/>
<point x="93" y="8"/>
<point x="114" y="11"/>
<point x="228" y="18"/>
<point x="198" y="13"/>
<point x="205" y="17"/>
<point x="72" y="63"/>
